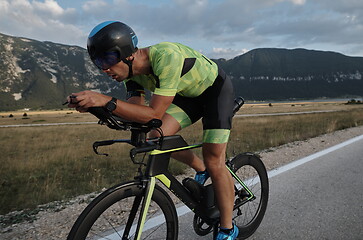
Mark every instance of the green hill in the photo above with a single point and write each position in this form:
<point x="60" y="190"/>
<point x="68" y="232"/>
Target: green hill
<point x="270" y="73"/>
<point x="40" y="75"/>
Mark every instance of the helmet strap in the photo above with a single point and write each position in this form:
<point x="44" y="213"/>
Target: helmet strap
<point x="129" y="63"/>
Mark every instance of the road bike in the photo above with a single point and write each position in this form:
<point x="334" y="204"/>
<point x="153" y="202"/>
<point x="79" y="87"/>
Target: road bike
<point x="142" y="208"/>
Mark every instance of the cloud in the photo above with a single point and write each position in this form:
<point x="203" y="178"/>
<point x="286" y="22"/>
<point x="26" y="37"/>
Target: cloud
<point x="4" y="6"/>
<point x="226" y="53"/>
<point x="312" y="25"/>
<point x="226" y="22"/>
<point x="45" y="20"/>
<point x="95" y="7"/>
<point x="298" y="2"/>
<point x="49" y="7"/>
<point x="205" y="24"/>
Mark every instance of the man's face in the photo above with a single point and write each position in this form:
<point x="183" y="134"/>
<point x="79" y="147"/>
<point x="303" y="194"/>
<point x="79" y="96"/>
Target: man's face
<point x="119" y="71"/>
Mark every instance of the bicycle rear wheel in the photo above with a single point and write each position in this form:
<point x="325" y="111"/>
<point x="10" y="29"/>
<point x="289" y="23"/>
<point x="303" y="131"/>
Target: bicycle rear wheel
<point x="250" y="211"/>
<point x="118" y="208"/>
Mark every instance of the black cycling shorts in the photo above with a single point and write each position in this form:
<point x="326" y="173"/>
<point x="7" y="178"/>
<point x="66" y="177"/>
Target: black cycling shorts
<point x="214" y="106"/>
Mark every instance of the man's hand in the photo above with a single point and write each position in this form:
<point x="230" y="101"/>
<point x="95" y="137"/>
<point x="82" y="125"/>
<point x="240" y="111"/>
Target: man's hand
<point x="86" y="99"/>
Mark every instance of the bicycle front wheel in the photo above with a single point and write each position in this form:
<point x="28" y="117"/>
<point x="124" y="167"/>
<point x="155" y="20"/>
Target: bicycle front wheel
<point x="116" y="212"/>
<point x="249" y="210"/>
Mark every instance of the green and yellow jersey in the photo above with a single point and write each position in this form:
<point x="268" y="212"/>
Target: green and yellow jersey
<point x="200" y="90"/>
<point x="177" y="69"/>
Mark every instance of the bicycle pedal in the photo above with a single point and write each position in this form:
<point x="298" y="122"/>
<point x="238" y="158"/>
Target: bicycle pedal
<point x="194" y="187"/>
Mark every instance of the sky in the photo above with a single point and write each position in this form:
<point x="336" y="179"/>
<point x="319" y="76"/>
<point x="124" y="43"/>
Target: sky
<point x="217" y="28"/>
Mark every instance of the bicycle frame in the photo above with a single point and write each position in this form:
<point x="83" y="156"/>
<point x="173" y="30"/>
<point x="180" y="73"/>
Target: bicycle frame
<point x="200" y="199"/>
<point x="157" y="168"/>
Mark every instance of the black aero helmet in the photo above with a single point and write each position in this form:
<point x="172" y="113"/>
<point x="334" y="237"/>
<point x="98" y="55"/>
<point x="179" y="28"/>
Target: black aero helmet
<point x="111" y="37"/>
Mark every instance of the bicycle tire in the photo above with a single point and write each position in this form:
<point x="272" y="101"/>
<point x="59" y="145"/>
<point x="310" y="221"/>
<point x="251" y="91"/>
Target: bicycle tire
<point x="106" y="216"/>
<point x="251" y="170"/>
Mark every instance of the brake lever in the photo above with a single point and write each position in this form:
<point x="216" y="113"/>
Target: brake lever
<point x="102" y="143"/>
<point x="106" y="143"/>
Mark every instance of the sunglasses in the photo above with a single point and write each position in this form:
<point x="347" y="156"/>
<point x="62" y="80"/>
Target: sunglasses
<point x="107" y="60"/>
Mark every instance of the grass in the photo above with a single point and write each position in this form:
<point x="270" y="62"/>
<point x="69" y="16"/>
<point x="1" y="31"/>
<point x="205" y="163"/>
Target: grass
<point x="256" y="134"/>
<point x="51" y="163"/>
<point x="44" y="164"/>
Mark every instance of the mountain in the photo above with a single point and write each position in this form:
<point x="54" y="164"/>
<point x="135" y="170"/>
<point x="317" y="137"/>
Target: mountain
<point x="40" y="75"/>
<point x="279" y="74"/>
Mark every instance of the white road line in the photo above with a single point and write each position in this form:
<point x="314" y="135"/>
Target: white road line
<point x="45" y="124"/>
<point x="272" y="173"/>
<point x="182" y="209"/>
<point x="282" y="114"/>
<point x="301" y="161"/>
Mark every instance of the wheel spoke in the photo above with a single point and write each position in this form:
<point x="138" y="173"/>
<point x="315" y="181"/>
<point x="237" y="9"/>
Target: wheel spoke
<point x="116" y="214"/>
<point x="249" y="209"/>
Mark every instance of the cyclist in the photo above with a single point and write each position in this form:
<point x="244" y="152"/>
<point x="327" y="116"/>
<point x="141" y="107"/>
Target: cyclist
<point x="186" y="86"/>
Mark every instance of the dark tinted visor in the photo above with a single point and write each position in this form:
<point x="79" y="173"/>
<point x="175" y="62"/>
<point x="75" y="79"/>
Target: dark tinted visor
<point x="107" y="60"/>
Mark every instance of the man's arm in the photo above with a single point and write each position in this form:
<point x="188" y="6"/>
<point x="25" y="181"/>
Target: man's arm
<point x="130" y="111"/>
<point x="139" y="100"/>
<point x="141" y="113"/>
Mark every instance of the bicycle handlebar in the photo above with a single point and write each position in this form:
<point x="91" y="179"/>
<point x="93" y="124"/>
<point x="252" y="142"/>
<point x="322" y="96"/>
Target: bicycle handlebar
<point x="137" y="150"/>
<point x="138" y="130"/>
<point x="115" y="122"/>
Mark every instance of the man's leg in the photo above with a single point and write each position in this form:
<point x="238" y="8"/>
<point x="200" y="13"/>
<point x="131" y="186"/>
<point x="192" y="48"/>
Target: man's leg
<point x="170" y="127"/>
<point x="214" y="160"/>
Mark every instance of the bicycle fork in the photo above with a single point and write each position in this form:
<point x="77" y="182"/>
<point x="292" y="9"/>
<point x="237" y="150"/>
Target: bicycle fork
<point x="146" y="199"/>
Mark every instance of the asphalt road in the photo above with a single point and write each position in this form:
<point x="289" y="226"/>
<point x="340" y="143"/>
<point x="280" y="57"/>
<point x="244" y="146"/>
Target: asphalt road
<point x="318" y="197"/>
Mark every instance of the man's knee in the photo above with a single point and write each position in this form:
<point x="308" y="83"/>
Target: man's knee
<point x="214" y="151"/>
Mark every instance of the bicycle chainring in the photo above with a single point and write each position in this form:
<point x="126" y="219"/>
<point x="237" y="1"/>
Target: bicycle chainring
<point x="200" y="227"/>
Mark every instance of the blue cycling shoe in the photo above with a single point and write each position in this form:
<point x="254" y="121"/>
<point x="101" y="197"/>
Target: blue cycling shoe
<point x="233" y="234"/>
<point x="201" y="177"/>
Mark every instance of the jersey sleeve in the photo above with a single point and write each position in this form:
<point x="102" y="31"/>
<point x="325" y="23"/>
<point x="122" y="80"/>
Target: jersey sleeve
<point x="167" y="66"/>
